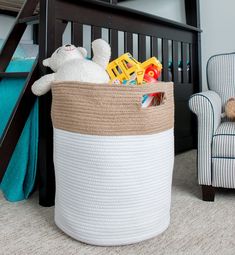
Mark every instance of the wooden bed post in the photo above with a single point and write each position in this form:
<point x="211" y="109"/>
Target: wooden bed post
<point x="45" y="150"/>
<point x="50" y="38"/>
<point x="192" y="11"/>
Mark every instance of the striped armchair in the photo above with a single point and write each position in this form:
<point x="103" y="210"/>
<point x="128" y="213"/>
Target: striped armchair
<point x="216" y="136"/>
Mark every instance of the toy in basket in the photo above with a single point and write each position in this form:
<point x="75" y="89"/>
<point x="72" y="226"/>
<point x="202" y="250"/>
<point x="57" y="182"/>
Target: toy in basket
<point x="126" y="70"/>
<point x="153" y="99"/>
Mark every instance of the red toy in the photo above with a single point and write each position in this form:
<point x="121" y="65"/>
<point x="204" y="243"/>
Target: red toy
<point x="153" y="72"/>
<point x="148" y="78"/>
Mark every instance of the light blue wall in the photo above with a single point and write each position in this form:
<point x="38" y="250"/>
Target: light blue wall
<point x="218" y="25"/>
<point x="170" y="9"/>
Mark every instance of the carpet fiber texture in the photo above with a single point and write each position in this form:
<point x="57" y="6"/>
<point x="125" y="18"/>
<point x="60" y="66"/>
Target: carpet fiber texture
<point x="196" y="227"/>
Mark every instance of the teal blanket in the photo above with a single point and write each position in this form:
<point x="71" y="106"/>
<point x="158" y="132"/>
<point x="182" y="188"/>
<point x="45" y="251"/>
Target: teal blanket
<point x="19" y="179"/>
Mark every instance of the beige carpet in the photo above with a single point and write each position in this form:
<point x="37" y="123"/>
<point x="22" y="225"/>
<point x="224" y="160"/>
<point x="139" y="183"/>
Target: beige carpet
<point x="197" y="227"/>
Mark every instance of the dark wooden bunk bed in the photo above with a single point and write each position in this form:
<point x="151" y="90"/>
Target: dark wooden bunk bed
<point x="179" y="42"/>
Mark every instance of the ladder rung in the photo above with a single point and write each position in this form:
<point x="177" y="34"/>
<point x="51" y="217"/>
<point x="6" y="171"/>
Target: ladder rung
<point x="13" y="74"/>
<point x="30" y="20"/>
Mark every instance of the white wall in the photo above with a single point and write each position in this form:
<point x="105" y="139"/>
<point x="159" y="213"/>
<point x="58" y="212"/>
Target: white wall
<point x="6" y="23"/>
<point x="218" y="25"/>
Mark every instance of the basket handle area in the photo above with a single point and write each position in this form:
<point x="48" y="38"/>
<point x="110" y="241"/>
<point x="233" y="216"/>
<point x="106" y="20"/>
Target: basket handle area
<point x="154" y="99"/>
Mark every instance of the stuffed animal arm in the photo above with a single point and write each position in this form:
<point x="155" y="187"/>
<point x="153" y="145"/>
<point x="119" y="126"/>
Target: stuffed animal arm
<point x="43" y="85"/>
<point x="102" y="53"/>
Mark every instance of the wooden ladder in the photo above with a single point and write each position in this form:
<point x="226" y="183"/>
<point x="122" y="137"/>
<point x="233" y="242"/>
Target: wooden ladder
<point x="26" y="99"/>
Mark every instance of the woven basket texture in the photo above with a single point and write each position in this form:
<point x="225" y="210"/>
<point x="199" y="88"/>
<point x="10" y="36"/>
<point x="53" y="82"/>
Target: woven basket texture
<point x="113" y="161"/>
<point x="104" y="109"/>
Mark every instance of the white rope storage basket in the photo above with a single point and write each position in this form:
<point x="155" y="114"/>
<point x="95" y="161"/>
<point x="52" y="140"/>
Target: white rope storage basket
<point x="113" y="161"/>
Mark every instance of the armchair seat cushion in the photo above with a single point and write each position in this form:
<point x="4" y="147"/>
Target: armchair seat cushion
<point x="223" y="143"/>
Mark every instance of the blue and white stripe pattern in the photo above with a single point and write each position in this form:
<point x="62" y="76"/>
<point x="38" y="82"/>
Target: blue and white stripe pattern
<point x="223" y="156"/>
<point x="223" y="172"/>
<point x="221" y="75"/>
<point x="216" y="140"/>
<point x="224" y="141"/>
<point x="207" y="107"/>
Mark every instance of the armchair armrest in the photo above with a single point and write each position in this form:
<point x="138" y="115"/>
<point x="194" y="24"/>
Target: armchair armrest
<point x="207" y="106"/>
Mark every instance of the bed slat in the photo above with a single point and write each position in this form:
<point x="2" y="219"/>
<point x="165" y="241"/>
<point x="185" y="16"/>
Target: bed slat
<point x="154" y="47"/>
<point x="184" y="61"/>
<point x="175" y="59"/>
<point x="59" y="30"/>
<point x="77" y="34"/>
<point x="141" y="48"/>
<point x="95" y="33"/>
<point x="190" y="63"/>
<point x="128" y="42"/>
<point x="113" y="40"/>
<point x="165" y="57"/>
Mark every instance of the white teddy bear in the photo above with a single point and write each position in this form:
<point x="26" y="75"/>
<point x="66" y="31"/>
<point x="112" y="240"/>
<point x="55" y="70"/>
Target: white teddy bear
<point x="70" y="64"/>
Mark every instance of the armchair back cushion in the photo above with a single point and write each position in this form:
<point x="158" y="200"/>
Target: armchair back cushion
<point x="221" y="75"/>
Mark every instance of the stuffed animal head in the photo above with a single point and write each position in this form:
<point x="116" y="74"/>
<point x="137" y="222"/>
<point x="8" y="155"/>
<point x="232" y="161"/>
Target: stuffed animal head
<point x="230" y="108"/>
<point x="64" y="54"/>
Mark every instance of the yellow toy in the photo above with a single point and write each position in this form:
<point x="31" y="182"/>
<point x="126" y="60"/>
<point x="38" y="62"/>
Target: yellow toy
<point x="125" y="66"/>
<point x="152" y="62"/>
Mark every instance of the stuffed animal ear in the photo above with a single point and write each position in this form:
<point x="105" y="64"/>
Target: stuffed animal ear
<point x="83" y="51"/>
<point x="45" y="62"/>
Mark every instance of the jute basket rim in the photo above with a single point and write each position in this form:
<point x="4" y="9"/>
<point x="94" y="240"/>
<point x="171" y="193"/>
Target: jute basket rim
<point x="110" y="110"/>
<point x="119" y="86"/>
